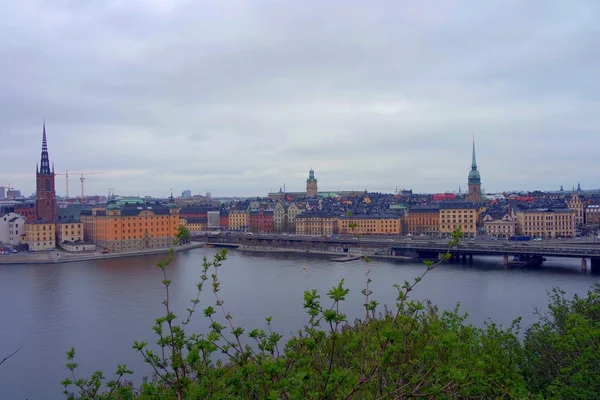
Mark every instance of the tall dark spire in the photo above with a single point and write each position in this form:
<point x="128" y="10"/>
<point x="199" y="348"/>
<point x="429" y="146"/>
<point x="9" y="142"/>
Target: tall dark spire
<point x="45" y="162"/>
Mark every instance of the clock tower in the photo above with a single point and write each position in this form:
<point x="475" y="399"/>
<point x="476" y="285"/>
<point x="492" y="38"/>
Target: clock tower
<point x="45" y="193"/>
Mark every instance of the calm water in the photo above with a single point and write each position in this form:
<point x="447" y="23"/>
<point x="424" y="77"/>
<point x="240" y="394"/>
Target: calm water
<point x="101" y="307"/>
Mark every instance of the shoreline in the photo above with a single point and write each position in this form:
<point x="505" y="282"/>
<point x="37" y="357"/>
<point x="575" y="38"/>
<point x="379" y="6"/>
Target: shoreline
<point x="65" y="257"/>
<point x="320" y="252"/>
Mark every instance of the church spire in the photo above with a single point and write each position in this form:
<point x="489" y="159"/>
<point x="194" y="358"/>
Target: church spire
<point x="474" y="162"/>
<point x="45" y="162"/>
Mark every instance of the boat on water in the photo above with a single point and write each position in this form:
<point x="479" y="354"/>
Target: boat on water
<point x="526" y="261"/>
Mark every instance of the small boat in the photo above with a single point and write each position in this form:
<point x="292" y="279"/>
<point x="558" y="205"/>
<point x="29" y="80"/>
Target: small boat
<point x="526" y="261"/>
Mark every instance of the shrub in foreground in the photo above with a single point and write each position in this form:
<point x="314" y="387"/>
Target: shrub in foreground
<point x="409" y="351"/>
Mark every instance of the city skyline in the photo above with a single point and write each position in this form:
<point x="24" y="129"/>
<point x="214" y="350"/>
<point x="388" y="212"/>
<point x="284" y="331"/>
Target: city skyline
<point x="250" y="99"/>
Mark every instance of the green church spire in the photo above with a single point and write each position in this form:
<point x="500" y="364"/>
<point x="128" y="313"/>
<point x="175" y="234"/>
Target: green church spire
<point x="474" y="177"/>
<point x="474" y="162"/>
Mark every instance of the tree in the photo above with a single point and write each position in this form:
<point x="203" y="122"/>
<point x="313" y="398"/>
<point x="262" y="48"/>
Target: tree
<point x="562" y="350"/>
<point x="182" y="236"/>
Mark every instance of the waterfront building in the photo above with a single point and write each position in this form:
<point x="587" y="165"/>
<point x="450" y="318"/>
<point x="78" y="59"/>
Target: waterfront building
<point x="261" y="221"/>
<point x="592" y="214"/>
<point x="575" y="203"/>
<point x="40" y="235"/>
<point x="128" y="225"/>
<point x="499" y="224"/>
<point x="311" y="184"/>
<point x="195" y="224"/>
<point x="316" y="224"/>
<point x="279" y="216"/>
<point x="224" y="219"/>
<point x="474" y="181"/>
<point x="292" y="213"/>
<point x="546" y="223"/>
<point x="284" y="217"/>
<point x="196" y="211"/>
<point x="12" y="229"/>
<point x="458" y="214"/>
<point x="45" y="193"/>
<point x="423" y="219"/>
<point x="214" y="219"/>
<point x="238" y="220"/>
<point x="69" y="231"/>
<point x="370" y="224"/>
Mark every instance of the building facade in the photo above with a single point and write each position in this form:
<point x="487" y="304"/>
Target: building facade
<point x="40" y="235"/>
<point x="546" y="223"/>
<point x="501" y="225"/>
<point x="423" y="220"/>
<point x="69" y="231"/>
<point x="238" y="220"/>
<point x="12" y="229"/>
<point x="474" y="181"/>
<point x="454" y="215"/>
<point x="195" y="224"/>
<point x="369" y="224"/>
<point x="45" y="193"/>
<point x="136" y="226"/>
<point x="575" y="203"/>
<point x="311" y="184"/>
<point x="27" y="210"/>
<point x="214" y="219"/>
<point x="592" y="214"/>
<point x="316" y="224"/>
<point x="261" y="221"/>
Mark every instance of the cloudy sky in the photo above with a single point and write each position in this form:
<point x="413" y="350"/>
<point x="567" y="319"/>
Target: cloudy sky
<point x="239" y="97"/>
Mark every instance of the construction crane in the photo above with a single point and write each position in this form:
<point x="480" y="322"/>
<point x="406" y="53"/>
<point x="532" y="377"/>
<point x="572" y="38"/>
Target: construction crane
<point x="66" y="175"/>
<point x="82" y="178"/>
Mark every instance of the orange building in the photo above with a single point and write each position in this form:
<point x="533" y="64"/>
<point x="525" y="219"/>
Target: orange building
<point x="423" y="219"/>
<point x="126" y="226"/>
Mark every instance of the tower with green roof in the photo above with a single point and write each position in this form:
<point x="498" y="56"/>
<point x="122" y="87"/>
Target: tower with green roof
<point x="311" y="184"/>
<point x="474" y="180"/>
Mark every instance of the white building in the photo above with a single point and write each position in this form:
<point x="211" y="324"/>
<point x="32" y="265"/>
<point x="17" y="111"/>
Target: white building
<point x="12" y="229"/>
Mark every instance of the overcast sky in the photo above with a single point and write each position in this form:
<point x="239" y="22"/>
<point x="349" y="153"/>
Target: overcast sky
<point x="240" y="97"/>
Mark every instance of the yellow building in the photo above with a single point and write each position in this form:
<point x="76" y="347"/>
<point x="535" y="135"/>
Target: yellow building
<point x="195" y="224"/>
<point x="69" y="232"/>
<point x="238" y="220"/>
<point x="454" y="215"/>
<point x="546" y="223"/>
<point x="316" y="224"/>
<point x="574" y="203"/>
<point x="40" y="235"/>
<point x="132" y="225"/>
<point x="370" y="224"/>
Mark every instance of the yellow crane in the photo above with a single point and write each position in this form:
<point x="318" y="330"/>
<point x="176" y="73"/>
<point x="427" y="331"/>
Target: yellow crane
<point x="81" y="178"/>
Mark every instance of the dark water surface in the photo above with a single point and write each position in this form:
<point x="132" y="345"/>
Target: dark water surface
<point x="101" y="307"/>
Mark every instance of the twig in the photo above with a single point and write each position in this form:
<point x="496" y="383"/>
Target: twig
<point x="9" y="356"/>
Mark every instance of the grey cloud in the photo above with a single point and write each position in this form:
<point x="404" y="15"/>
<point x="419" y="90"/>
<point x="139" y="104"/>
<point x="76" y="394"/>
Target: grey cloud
<point x="241" y="96"/>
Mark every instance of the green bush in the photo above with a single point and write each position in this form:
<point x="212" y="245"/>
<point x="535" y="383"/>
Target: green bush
<point x="411" y="350"/>
<point x="562" y="351"/>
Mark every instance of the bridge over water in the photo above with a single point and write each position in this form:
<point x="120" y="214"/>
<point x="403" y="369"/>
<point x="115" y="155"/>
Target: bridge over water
<point x="424" y="248"/>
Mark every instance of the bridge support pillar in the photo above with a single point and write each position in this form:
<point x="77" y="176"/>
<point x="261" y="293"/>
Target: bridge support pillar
<point x="584" y="264"/>
<point x="506" y="260"/>
<point x="595" y="265"/>
<point x="471" y="257"/>
<point x="464" y="257"/>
